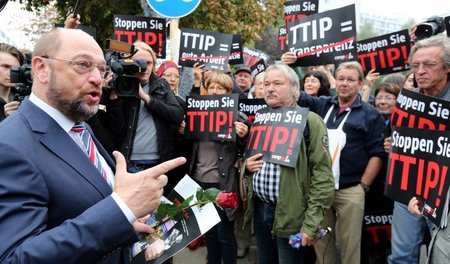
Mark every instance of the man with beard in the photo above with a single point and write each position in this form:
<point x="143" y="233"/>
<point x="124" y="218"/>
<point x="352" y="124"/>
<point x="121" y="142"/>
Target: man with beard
<point x="61" y="201"/>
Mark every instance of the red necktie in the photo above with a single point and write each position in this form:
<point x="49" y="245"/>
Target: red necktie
<point x="90" y="148"/>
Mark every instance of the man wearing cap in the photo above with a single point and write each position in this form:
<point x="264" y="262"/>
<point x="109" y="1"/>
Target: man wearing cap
<point x="243" y="77"/>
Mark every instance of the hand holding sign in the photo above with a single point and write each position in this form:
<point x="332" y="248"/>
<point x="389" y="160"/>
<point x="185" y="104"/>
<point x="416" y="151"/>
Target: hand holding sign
<point x="241" y="129"/>
<point x="288" y="58"/>
<point x="254" y="163"/>
<point x="414" y="206"/>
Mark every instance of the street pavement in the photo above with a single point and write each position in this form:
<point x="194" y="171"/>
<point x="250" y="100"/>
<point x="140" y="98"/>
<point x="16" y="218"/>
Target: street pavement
<point x="198" y="256"/>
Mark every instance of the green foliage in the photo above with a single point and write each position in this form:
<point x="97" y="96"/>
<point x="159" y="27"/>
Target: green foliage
<point x="94" y="13"/>
<point x="172" y="211"/>
<point x="269" y="43"/>
<point x="248" y="18"/>
<point x="209" y="195"/>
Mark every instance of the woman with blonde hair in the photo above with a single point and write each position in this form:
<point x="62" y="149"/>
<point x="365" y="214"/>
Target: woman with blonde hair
<point x="213" y="165"/>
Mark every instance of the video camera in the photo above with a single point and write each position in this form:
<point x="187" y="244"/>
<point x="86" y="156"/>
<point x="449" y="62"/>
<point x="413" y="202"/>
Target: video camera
<point x="124" y="83"/>
<point x="434" y="25"/>
<point x="22" y="78"/>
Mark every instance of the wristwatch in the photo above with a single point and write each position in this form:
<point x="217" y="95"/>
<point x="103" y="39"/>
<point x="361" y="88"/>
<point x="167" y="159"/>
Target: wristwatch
<point x="365" y="187"/>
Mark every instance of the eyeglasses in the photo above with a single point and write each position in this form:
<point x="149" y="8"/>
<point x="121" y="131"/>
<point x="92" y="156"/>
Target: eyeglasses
<point x="83" y="66"/>
<point x="426" y="65"/>
<point x="388" y="98"/>
<point x="170" y="75"/>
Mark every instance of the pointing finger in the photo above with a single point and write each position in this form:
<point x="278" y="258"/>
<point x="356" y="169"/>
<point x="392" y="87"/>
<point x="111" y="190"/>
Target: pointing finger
<point x="164" y="167"/>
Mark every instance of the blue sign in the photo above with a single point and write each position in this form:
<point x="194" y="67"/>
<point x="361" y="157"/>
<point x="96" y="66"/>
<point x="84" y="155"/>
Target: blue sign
<point x="173" y="8"/>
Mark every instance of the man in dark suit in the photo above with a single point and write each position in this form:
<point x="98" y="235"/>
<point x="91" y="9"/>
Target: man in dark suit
<point x="55" y="206"/>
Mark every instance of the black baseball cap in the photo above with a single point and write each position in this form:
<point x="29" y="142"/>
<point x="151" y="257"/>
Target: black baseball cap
<point x="243" y="68"/>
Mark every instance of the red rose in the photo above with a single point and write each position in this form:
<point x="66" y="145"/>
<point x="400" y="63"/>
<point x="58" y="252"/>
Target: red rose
<point x="227" y="200"/>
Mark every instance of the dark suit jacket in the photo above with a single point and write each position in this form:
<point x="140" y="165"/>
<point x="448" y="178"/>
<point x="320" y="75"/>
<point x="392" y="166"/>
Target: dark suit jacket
<point x="55" y="207"/>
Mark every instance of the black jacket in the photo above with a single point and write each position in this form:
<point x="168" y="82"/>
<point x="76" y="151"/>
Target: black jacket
<point x="167" y="114"/>
<point x="228" y="154"/>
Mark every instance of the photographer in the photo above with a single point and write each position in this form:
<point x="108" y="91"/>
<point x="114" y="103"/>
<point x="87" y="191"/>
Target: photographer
<point x="109" y="122"/>
<point x="150" y="118"/>
<point x="9" y="57"/>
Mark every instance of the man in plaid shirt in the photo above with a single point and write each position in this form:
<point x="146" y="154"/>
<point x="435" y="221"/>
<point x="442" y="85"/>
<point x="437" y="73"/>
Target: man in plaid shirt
<point x="286" y="200"/>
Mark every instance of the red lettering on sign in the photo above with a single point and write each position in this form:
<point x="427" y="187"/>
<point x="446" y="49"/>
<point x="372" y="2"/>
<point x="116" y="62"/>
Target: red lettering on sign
<point x="362" y="60"/>
<point x="255" y="136"/>
<point x="267" y="138"/>
<point x="375" y="230"/>
<point x="407" y="161"/>
<point x="282" y="40"/>
<point x="220" y="120"/>
<point x="280" y="137"/>
<point x="150" y="38"/>
<point x="402" y="118"/>
<point x="293" y="138"/>
<point x="429" y="174"/>
<point x="211" y="120"/>
<point x="393" y="54"/>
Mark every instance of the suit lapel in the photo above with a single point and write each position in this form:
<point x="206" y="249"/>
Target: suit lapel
<point x="54" y="138"/>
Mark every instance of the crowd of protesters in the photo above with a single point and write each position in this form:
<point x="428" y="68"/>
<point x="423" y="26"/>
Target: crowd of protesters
<point x="348" y="113"/>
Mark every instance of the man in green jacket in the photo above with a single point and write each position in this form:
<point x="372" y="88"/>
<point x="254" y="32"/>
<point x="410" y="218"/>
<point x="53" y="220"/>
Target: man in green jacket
<point x="285" y="200"/>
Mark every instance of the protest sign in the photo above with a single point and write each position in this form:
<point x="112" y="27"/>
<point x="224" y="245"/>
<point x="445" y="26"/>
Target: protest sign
<point x="420" y="152"/>
<point x="252" y="56"/>
<point x="418" y="166"/>
<point x="146" y="29"/>
<point x="178" y="234"/>
<point x="415" y="110"/>
<point x="277" y="133"/>
<point x="324" y="38"/>
<point x="210" y="48"/>
<point x="282" y="39"/>
<point x="236" y="56"/>
<point x="211" y="117"/>
<point x="296" y="10"/>
<point x="250" y="106"/>
<point x="387" y="53"/>
<point x="376" y="235"/>
<point x="258" y="67"/>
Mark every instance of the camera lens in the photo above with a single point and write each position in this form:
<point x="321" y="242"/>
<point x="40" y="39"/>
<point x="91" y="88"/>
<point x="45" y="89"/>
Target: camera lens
<point x="432" y="26"/>
<point x="426" y="30"/>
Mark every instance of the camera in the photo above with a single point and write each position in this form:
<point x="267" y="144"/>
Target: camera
<point x="123" y="83"/>
<point x="432" y="26"/>
<point x="22" y="78"/>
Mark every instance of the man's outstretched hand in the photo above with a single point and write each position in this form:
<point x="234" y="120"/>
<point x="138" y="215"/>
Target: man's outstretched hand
<point x="142" y="191"/>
